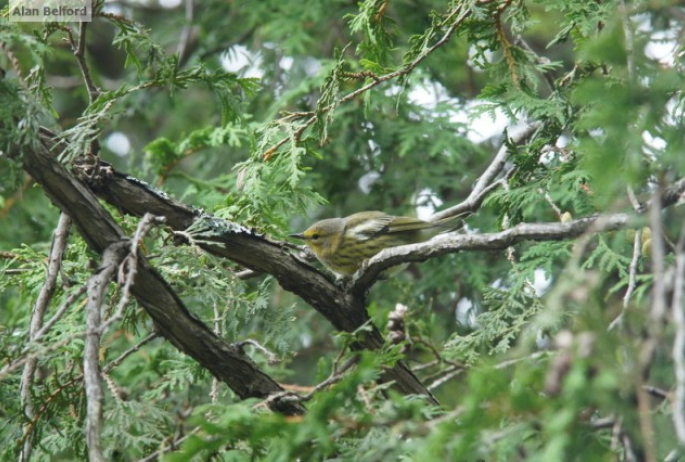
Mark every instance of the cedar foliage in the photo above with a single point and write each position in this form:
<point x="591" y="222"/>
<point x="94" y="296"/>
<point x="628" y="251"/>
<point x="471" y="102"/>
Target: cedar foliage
<point x="368" y="106"/>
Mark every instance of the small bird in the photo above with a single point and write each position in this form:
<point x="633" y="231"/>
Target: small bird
<point x="342" y="244"/>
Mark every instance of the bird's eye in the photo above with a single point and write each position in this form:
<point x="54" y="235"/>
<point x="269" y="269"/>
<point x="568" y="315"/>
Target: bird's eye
<point x="315" y="237"/>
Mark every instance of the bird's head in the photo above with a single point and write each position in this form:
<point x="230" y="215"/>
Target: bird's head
<point x="324" y="236"/>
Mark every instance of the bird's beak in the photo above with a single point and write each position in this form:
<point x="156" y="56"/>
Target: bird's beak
<point x="297" y="236"/>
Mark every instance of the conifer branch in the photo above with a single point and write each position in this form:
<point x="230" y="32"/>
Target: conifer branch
<point x="172" y="319"/>
<point x="377" y="80"/>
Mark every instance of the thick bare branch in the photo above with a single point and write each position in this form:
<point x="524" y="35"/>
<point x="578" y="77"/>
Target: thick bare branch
<point x="346" y="311"/>
<point x="171" y="317"/>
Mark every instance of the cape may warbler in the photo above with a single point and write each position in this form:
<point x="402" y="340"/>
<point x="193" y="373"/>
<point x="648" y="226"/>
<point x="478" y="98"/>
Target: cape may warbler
<point x="342" y="244"/>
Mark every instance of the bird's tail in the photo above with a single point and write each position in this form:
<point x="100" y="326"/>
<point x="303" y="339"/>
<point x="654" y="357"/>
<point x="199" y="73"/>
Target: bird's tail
<point x="450" y="223"/>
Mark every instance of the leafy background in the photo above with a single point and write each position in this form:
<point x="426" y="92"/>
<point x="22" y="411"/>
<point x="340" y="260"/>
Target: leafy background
<point x="519" y="344"/>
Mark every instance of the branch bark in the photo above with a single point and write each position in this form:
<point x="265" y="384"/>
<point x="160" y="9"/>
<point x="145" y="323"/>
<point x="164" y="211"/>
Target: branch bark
<point x="97" y="288"/>
<point x="59" y="243"/>
<point x="451" y="243"/>
<point x="345" y="310"/>
<point x="172" y="319"/>
<point x="487" y="180"/>
<point x="345" y="306"/>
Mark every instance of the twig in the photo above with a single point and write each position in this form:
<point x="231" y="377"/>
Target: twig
<point x="61" y="310"/>
<point x="656" y="392"/>
<point x="628" y="35"/>
<point x="618" y="436"/>
<point x="486" y="183"/>
<point x="228" y="45"/>
<point x="677" y="310"/>
<point x="632" y="269"/>
<point x="450" y="373"/>
<point x="673" y="456"/>
<point x="247" y="274"/>
<point x="506" y="46"/>
<point x="80" y="55"/>
<point x="628" y="448"/>
<point x="634" y="202"/>
<point x="446" y="417"/>
<point x="427" y="365"/>
<point x="404" y="70"/>
<point x="632" y="277"/>
<point x="420" y="341"/>
<point x="114" y="363"/>
<point x="288" y="396"/>
<point x="214" y="392"/>
<point x="547" y="76"/>
<point x="271" y="357"/>
<point x="184" y="40"/>
<point x="456" y="368"/>
<point x="511" y="362"/>
<point x="171" y="447"/>
<point x="655" y="325"/>
<point x="506" y="224"/>
<point x="13" y="272"/>
<point x="79" y="50"/>
<point x="14" y="61"/>
<point x="59" y="243"/>
<point x="643" y="403"/>
<point x="606" y="422"/>
<point x="17" y="196"/>
<point x="658" y="255"/>
<point x="616" y="432"/>
<point x="336" y="376"/>
<point x="451" y="243"/>
<point x="128" y="274"/>
<point x="97" y="287"/>
<point x="551" y="203"/>
<point x="381" y="10"/>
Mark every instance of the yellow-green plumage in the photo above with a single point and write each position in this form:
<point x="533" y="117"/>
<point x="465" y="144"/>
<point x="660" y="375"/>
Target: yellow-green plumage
<point x="342" y="244"/>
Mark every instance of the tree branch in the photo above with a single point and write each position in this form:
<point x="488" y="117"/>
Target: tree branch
<point x="632" y="277"/>
<point x="679" y="342"/>
<point x="486" y="183"/>
<point x="172" y="319"/>
<point x="451" y="243"/>
<point x="346" y="311"/>
<point x="79" y="49"/>
<point x="97" y="288"/>
<point x="404" y="70"/>
<point x="36" y="328"/>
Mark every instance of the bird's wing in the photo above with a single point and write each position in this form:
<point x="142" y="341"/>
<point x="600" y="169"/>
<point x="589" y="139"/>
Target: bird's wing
<point x="367" y="224"/>
<point x="403" y="224"/>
